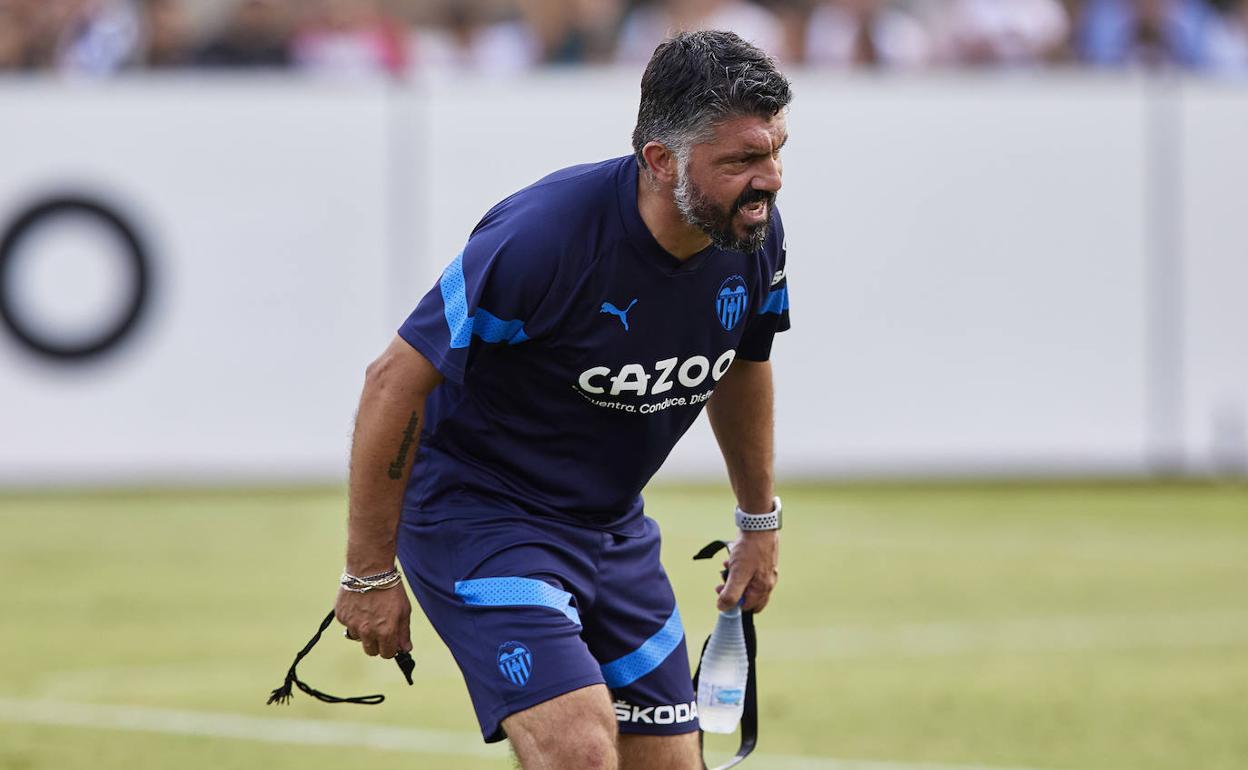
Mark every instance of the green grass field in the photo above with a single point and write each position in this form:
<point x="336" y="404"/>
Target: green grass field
<point x="1084" y="627"/>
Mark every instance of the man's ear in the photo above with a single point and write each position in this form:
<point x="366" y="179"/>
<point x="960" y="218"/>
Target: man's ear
<point x="661" y="162"/>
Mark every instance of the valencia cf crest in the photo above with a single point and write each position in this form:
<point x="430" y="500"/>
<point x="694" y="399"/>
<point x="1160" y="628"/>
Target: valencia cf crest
<point x="515" y="663"/>
<point x="731" y="301"/>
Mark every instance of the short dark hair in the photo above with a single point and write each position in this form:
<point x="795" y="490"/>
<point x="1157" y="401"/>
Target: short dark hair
<point x="697" y="80"/>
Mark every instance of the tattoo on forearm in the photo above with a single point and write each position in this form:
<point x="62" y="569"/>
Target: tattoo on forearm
<point x="409" y="437"/>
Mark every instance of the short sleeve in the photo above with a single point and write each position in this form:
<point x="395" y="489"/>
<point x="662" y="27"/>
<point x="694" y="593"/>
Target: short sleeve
<point x="492" y="293"/>
<point x="772" y="314"/>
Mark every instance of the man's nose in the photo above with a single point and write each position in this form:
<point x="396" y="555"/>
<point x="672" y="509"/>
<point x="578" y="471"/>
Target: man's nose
<point x="769" y="176"/>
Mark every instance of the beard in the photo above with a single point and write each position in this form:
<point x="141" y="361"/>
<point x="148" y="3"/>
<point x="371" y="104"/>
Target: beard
<point x="716" y="222"/>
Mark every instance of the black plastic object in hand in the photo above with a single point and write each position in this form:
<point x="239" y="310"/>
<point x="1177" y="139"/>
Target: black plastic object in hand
<point x="406" y="665"/>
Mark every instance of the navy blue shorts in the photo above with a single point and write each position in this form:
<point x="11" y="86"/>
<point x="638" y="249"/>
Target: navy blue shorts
<point x="534" y="608"/>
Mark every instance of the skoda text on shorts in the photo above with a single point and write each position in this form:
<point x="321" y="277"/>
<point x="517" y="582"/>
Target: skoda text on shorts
<point x="547" y="375"/>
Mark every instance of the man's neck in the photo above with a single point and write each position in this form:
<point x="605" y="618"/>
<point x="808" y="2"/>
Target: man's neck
<point x="663" y="220"/>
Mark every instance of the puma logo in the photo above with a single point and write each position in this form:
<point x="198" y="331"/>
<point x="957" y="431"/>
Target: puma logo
<point x="607" y="307"/>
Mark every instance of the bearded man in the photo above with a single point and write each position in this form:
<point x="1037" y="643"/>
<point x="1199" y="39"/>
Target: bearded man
<point x="504" y="437"/>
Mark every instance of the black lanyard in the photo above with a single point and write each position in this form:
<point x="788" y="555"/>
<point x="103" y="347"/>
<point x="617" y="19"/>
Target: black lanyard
<point x="282" y="694"/>
<point x="749" y="717"/>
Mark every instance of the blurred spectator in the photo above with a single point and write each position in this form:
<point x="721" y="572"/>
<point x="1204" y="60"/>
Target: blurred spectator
<point x="352" y="37"/>
<point x="502" y="36"/>
<point x="574" y="31"/>
<point x="1228" y="40"/>
<point x="95" y="37"/>
<point x="651" y="23"/>
<point x="167" y="35"/>
<point x="1150" y="33"/>
<point x="866" y="33"/>
<point x="1011" y="33"/>
<point x="42" y="25"/>
<point x="13" y="34"/>
<point x="474" y="36"/>
<point x="257" y="34"/>
<point x="103" y="37"/>
<point x="793" y="17"/>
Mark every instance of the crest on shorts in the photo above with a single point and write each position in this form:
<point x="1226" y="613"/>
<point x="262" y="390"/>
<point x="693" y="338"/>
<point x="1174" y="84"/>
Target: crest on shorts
<point x="730" y="301"/>
<point x="515" y="662"/>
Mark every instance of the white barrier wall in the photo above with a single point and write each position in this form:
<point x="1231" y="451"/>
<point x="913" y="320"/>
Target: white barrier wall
<point x="978" y="267"/>
<point x="1213" y="291"/>
<point x="968" y="278"/>
<point x="266" y="210"/>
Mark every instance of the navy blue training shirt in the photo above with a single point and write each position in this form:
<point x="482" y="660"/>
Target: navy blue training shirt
<point x="576" y="351"/>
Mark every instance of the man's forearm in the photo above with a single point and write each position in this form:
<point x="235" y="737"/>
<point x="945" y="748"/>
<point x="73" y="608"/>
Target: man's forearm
<point x="381" y="457"/>
<point x="387" y="432"/>
<point x="742" y="415"/>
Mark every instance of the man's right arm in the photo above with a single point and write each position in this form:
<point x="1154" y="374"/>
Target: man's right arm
<point x="387" y="429"/>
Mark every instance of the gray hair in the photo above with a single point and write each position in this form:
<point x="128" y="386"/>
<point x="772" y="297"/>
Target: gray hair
<point x="697" y="80"/>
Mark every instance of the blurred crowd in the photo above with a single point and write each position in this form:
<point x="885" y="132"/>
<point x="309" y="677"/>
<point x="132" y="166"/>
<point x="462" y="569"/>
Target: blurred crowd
<point x="406" y="37"/>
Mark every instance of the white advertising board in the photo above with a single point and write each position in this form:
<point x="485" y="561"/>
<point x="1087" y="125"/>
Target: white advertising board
<point x="1213" y="228"/>
<point x="973" y="266"/>
<point x="265" y="210"/>
<point x="967" y="278"/>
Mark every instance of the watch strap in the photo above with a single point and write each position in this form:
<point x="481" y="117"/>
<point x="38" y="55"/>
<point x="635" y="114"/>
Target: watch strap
<point x="759" y="522"/>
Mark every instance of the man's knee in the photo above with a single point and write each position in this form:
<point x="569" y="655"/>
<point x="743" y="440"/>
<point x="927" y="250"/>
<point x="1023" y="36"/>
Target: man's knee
<point x="575" y="730"/>
<point x="661" y="752"/>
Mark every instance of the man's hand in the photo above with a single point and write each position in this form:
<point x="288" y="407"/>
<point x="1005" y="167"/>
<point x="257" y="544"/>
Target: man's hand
<point x="753" y="570"/>
<point x="379" y="620"/>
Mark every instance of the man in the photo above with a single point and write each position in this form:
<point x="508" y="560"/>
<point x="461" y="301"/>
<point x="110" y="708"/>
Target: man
<point x="548" y="374"/>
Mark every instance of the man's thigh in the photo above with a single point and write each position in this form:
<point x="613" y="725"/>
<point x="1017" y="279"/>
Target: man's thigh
<point x="660" y="752"/>
<point x="577" y="730"/>
<point x="574" y="730"/>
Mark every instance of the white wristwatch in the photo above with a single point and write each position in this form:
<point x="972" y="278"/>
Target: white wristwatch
<point x="759" y="522"/>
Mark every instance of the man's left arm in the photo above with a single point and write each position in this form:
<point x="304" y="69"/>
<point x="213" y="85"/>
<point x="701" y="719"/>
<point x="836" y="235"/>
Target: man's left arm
<point x="742" y="415"/>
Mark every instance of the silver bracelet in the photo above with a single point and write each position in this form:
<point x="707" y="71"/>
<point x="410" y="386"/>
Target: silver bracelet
<point x="760" y="522"/>
<point x="380" y="576"/>
<point x="362" y="585"/>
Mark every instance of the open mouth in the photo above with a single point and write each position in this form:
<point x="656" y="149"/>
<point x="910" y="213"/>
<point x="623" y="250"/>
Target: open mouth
<point x="754" y="213"/>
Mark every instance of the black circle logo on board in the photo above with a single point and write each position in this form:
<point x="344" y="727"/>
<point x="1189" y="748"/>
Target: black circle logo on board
<point x="112" y="331"/>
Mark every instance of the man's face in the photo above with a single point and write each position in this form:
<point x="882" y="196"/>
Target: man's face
<point x="729" y="184"/>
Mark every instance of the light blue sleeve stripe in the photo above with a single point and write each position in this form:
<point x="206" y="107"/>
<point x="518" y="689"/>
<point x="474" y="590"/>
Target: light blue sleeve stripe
<point x="646" y="658"/>
<point x="455" y="302"/>
<point x="462" y="326"/>
<point x="777" y="302"/>
<point x="516" y="592"/>
<point x="491" y="328"/>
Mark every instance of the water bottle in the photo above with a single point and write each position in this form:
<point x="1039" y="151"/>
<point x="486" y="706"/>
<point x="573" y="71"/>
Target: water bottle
<point x="725" y="666"/>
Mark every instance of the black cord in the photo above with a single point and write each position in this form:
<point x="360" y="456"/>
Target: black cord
<point x="284" y="693"/>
